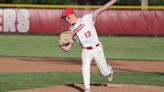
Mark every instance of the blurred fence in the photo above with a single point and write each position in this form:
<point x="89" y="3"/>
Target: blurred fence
<point x="48" y="21"/>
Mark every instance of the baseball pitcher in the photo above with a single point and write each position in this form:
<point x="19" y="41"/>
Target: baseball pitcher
<point x="83" y="31"/>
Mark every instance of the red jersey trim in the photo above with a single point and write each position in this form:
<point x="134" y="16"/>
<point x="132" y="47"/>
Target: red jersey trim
<point x="78" y="29"/>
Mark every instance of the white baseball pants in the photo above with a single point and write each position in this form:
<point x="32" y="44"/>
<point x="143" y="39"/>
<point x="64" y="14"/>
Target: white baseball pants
<point x="96" y="54"/>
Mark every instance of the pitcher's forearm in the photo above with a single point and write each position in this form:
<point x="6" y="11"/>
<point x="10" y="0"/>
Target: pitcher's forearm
<point x="66" y="48"/>
<point x="98" y="11"/>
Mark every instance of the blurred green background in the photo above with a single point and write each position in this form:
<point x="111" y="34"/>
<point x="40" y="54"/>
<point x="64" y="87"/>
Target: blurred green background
<point x="115" y="47"/>
<point x="81" y="2"/>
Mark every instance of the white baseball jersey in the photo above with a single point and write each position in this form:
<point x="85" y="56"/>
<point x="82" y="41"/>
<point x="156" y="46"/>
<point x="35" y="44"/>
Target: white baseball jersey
<point x="84" y="31"/>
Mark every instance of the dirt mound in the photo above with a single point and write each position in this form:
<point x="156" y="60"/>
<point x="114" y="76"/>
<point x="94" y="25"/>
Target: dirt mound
<point x="98" y="88"/>
<point x="12" y="64"/>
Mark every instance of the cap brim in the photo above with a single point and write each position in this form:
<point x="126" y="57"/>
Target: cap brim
<point x="63" y="17"/>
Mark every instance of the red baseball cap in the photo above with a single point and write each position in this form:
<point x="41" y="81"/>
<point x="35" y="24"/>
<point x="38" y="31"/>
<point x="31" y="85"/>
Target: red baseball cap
<point x="67" y="11"/>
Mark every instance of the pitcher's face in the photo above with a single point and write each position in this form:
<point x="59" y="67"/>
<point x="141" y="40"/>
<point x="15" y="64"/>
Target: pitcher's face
<point x="70" y="18"/>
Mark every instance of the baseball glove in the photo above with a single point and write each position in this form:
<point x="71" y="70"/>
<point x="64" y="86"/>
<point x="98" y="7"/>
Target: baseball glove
<point x="66" y="38"/>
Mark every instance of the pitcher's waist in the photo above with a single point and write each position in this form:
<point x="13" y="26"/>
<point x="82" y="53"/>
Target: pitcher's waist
<point x="91" y="47"/>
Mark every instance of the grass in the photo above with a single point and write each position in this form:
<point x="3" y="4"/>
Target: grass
<point x="139" y="48"/>
<point x="17" y="81"/>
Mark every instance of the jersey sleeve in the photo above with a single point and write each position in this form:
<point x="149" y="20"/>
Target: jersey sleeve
<point x="88" y="18"/>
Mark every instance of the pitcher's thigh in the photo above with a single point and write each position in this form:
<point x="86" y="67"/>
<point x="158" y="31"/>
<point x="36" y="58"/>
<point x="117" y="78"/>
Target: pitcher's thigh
<point x="86" y="60"/>
<point x="102" y="63"/>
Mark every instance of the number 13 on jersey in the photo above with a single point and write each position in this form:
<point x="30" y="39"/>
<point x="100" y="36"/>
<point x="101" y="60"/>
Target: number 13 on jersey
<point x="87" y="34"/>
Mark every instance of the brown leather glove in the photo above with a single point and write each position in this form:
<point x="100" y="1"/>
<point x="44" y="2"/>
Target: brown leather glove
<point x="66" y="38"/>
